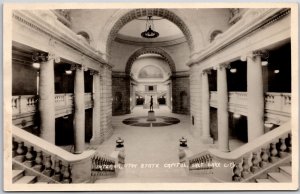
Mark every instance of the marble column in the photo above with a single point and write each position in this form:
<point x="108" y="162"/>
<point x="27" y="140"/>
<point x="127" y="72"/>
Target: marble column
<point x="206" y="138"/>
<point x="223" y="129"/>
<point x="255" y="96"/>
<point x="96" y="109"/>
<point x="47" y="98"/>
<point x="79" y="115"/>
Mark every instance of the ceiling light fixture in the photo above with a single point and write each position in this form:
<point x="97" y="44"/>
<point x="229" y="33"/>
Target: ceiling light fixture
<point x="268" y="125"/>
<point x="233" y="70"/>
<point x="36" y="65"/>
<point x="68" y="72"/>
<point x="264" y="63"/>
<point x="276" y="71"/>
<point x="150" y="30"/>
<point x="237" y="116"/>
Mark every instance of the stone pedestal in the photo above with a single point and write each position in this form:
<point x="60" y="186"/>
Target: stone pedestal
<point x="151" y="116"/>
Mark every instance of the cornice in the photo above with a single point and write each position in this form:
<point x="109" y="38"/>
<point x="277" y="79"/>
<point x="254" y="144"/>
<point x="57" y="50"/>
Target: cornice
<point x="119" y="74"/>
<point x="252" y="21"/>
<point x="159" y="42"/>
<point x="46" y="22"/>
<point x="181" y="74"/>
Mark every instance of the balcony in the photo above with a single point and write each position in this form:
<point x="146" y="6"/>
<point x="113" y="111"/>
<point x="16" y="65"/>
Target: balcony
<point x="277" y="105"/>
<point x="24" y="107"/>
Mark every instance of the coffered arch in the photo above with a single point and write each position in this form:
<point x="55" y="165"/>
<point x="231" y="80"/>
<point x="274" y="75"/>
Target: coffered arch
<point x="150" y="50"/>
<point x="121" y="18"/>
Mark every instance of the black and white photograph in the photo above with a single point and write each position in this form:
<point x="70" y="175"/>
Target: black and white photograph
<point x="150" y="96"/>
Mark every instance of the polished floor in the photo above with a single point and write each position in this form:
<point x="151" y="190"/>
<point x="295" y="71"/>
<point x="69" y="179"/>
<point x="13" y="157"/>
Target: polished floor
<point x="153" y="149"/>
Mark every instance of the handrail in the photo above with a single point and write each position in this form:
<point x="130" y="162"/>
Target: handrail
<point x="247" y="161"/>
<point x="50" y="148"/>
<point x="84" y="167"/>
<point x="259" y="142"/>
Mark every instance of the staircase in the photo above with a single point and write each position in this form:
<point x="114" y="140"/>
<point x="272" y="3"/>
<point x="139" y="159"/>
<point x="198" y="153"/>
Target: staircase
<point x="284" y="175"/>
<point x="36" y="161"/>
<point x="265" y="159"/>
<point x="19" y="177"/>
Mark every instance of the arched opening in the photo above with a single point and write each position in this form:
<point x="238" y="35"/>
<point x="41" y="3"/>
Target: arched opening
<point x="150" y="71"/>
<point x="85" y="35"/>
<point x="137" y="13"/>
<point x="214" y="34"/>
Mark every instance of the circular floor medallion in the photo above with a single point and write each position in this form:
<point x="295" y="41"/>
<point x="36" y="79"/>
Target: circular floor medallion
<point x="161" y="121"/>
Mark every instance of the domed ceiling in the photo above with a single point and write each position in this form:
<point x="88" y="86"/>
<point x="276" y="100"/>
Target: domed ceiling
<point x="165" y="28"/>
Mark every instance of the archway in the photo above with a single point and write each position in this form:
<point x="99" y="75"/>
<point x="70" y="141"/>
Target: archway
<point x="123" y="17"/>
<point x="150" y="50"/>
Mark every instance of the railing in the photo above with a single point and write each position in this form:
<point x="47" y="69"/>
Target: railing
<point x="28" y="103"/>
<point x="248" y="161"/>
<point x="24" y="104"/>
<point x="50" y="160"/>
<point x="46" y="159"/>
<point x="63" y="100"/>
<point x="103" y="167"/>
<point x="88" y="100"/>
<point x="279" y="102"/>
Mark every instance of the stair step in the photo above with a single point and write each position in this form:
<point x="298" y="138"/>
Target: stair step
<point x="26" y="180"/>
<point x="287" y="170"/>
<point x="279" y="177"/>
<point x="263" y="181"/>
<point x="17" y="174"/>
<point x="41" y="183"/>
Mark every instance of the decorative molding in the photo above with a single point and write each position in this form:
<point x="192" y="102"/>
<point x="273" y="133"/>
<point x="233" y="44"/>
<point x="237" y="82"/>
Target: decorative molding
<point x="181" y="74"/>
<point x="253" y="21"/>
<point x="147" y="50"/>
<point x="54" y="29"/>
<point x="159" y="42"/>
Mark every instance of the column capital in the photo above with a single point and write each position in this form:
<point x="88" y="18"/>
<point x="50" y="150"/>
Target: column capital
<point x="224" y="65"/>
<point x="44" y="57"/>
<point x="262" y="53"/>
<point x="94" y="72"/>
<point x="53" y="56"/>
<point x="78" y="66"/>
<point x="206" y="71"/>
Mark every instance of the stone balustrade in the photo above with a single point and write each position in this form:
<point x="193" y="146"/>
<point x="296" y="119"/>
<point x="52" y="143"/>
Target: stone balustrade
<point x="280" y="102"/>
<point x="50" y="160"/>
<point x="24" y="104"/>
<point x="29" y="103"/>
<point x="247" y="161"/>
<point x="60" y="166"/>
<point x="88" y="100"/>
<point x="103" y="167"/>
<point x="274" y="102"/>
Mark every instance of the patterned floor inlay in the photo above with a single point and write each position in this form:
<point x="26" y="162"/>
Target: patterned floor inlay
<point x="161" y="121"/>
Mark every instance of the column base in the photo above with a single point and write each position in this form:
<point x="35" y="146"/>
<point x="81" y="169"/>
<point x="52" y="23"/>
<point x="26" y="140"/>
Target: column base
<point x="207" y="140"/>
<point x="224" y="150"/>
<point x="95" y="141"/>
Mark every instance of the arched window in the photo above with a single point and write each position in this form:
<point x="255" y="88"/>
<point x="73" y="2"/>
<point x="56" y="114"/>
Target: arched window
<point x="214" y="34"/>
<point x="85" y="35"/>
